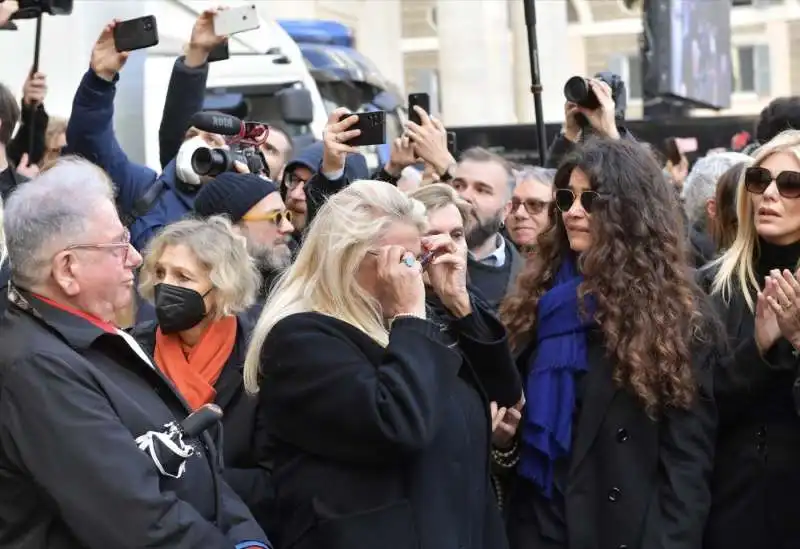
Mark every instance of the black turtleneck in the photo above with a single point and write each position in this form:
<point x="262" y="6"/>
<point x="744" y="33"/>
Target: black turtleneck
<point x="774" y="256"/>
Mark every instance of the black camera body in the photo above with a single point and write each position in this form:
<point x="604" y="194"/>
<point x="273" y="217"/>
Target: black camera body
<point x="578" y="91"/>
<point x="31" y="9"/>
<point x="212" y="162"/>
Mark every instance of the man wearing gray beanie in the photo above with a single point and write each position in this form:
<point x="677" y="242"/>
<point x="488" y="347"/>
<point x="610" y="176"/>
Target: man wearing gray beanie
<point x="255" y="207"/>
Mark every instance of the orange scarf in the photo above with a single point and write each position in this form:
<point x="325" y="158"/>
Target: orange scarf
<point x="194" y="370"/>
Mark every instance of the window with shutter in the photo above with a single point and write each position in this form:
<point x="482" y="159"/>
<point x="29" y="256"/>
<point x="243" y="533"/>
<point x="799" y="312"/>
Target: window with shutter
<point x="763" y="75"/>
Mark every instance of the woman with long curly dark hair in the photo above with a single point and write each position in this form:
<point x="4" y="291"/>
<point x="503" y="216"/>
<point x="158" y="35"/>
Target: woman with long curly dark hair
<point x="616" y="349"/>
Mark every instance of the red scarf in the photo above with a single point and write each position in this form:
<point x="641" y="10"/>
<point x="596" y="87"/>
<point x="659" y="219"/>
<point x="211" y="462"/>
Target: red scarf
<point x="194" y="370"/>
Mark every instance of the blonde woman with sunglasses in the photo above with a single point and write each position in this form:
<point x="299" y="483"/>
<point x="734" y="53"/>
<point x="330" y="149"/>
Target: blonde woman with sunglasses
<point x="756" y="480"/>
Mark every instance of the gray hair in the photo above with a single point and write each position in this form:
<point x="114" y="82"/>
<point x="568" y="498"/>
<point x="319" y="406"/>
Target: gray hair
<point x="50" y="213"/>
<point x="535" y="173"/>
<point x="701" y="183"/>
<point x="219" y="250"/>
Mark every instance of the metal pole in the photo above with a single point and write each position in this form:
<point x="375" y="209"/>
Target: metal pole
<point x="34" y="70"/>
<point x="536" y="84"/>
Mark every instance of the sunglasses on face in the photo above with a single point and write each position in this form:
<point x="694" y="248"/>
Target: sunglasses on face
<point x="565" y="198"/>
<point x="758" y="179"/>
<point x="275" y="216"/>
<point x="532" y="206"/>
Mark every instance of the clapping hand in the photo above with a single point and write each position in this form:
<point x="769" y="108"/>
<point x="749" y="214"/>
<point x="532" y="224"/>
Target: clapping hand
<point x="783" y="297"/>
<point x="767" y="331"/>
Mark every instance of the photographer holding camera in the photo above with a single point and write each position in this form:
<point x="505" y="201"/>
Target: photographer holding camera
<point x="593" y="106"/>
<point x="146" y="199"/>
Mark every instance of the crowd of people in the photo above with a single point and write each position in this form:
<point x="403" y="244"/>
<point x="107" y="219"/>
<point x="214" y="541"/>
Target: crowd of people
<point x="598" y="354"/>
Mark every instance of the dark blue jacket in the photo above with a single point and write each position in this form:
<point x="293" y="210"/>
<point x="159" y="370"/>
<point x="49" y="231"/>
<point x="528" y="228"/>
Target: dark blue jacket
<point x="90" y="134"/>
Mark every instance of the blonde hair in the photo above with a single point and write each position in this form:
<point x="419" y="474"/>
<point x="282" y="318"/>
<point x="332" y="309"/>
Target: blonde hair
<point x="219" y="250"/>
<point x="323" y="277"/>
<point x="735" y="267"/>
<point x="438" y="195"/>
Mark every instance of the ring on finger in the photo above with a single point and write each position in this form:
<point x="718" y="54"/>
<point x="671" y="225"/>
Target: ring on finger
<point x="409" y="261"/>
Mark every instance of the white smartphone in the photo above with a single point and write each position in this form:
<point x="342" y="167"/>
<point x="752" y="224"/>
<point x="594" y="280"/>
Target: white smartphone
<point x="236" y="20"/>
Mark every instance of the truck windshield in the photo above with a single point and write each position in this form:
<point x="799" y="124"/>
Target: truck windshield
<point x="254" y="103"/>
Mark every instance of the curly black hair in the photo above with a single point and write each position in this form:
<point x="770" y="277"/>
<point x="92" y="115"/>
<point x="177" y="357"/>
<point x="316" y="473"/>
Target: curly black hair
<point x="648" y="304"/>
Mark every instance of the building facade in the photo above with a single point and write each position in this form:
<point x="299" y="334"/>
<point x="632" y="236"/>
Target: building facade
<point x="578" y="37"/>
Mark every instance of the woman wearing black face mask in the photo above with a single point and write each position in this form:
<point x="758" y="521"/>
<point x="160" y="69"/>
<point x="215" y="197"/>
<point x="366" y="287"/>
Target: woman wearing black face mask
<point x="200" y="279"/>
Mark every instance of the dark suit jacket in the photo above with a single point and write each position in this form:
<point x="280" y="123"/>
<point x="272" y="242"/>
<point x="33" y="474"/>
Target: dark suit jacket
<point x="632" y="482"/>
<point x="382" y="448"/>
<point x="244" y="438"/>
<point x="73" y="400"/>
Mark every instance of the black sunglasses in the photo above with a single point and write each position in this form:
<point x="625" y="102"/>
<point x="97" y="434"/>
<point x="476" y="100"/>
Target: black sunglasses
<point x="758" y="179"/>
<point x="565" y="198"/>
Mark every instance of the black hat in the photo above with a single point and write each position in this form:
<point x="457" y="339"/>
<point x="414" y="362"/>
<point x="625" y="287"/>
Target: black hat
<point x="232" y="194"/>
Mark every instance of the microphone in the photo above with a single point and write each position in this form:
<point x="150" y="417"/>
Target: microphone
<point x="218" y="122"/>
<point x="200" y="420"/>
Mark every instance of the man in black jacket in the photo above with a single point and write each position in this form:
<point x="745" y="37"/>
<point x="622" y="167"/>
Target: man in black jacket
<point x="79" y="398"/>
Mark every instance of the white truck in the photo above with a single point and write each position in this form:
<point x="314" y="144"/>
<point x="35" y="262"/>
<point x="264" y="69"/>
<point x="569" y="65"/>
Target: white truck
<point x="262" y="62"/>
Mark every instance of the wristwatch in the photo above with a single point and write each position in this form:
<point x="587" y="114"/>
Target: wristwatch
<point x="448" y="173"/>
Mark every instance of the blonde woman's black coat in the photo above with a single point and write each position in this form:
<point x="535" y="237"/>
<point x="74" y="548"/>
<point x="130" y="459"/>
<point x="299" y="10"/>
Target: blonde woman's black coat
<point x="756" y="487"/>
<point x="385" y="448"/>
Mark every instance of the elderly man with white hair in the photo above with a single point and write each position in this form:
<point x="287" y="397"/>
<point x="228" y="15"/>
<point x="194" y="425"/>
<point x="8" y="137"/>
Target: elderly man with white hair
<point x="85" y="458"/>
<point x="698" y="194"/>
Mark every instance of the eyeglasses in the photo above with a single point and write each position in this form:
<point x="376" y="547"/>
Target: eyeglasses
<point x="124" y="246"/>
<point x="758" y="179"/>
<point x="275" y="216"/>
<point x="292" y="180"/>
<point x="532" y="206"/>
<point x="565" y="198"/>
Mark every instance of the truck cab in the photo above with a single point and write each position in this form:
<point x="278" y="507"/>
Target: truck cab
<point x="264" y="79"/>
<point x="346" y="78"/>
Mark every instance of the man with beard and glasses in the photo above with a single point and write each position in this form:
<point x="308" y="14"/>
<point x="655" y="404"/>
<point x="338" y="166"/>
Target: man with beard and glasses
<point x="256" y="209"/>
<point x="486" y="181"/>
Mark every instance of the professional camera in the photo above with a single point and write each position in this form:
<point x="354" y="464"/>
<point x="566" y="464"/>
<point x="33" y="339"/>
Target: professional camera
<point x="578" y="91"/>
<point x="31" y="9"/>
<point x="243" y="148"/>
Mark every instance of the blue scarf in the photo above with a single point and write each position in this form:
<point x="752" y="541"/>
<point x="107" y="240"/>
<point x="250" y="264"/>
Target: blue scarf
<point x="550" y="390"/>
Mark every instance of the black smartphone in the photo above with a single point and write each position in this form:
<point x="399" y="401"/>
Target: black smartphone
<point x="136" y="34"/>
<point x="452" y="147"/>
<point x="219" y="53"/>
<point x="422" y="100"/>
<point x="372" y="126"/>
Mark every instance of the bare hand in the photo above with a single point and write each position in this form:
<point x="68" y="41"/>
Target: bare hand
<point x="602" y="118"/>
<point x="505" y="422"/>
<point x="430" y="141"/>
<point x="784" y="301"/>
<point x="240" y="167"/>
<point x="572" y="130"/>
<point x="401" y="289"/>
<point x="334" y="136"/>
<point x="203" y="39"/>
<point x="26" y="168"/>
<point x="447" y="273"/>
<point x="402" y="156"/>
<point x="7" y="9"/>
<point x="35" y="89"/>
<point x="106" y="60"/>
<point x="767" y="330"/>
